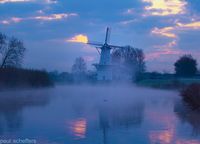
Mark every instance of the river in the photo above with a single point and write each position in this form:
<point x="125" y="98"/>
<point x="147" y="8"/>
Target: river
<point x="117" y="114"/>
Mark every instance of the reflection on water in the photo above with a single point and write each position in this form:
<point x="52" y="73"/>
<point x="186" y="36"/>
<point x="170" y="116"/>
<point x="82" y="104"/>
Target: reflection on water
<point x="125" y="116"/>
<point x="12" y="105"/>
<point x="187" y="142"/>
<point x="78" y="127"/>
<point x="166" y="135"/>
<point x="98" y="115"/>
<point x="189" y="116"/>
<point x="162" y="137"/>
<point x="170" y="133"/>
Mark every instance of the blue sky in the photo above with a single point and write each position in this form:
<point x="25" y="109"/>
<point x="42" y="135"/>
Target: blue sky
<point x="164" y="29"/>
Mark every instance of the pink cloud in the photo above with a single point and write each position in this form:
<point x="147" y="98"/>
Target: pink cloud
<point x="13" y="1"/>
<point x="165" y="52"/>
<point x="51" y="17"/>
<point x="16" y="19"/>
<point x="166" y="31"/>
<point x="171" y="31"/>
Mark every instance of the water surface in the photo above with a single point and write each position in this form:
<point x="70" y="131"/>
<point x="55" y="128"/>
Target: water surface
<point x="98" y="115"/>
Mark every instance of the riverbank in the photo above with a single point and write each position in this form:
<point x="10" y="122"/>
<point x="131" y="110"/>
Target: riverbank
<point x="23" y="78"/>
<point x="168" y="83"/>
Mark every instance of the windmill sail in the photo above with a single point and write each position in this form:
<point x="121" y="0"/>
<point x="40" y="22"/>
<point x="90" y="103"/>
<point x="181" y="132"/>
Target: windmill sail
<point x="107" y="40"/>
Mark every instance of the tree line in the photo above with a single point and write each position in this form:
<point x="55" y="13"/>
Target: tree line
<point x="129" y="63"/>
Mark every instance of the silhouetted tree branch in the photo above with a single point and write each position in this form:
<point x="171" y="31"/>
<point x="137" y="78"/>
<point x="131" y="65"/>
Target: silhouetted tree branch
<point x="2" y="42"/>
<point x="12" y="53"/>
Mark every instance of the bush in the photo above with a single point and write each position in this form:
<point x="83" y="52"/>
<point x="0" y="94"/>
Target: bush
<point x="191" y="95"/>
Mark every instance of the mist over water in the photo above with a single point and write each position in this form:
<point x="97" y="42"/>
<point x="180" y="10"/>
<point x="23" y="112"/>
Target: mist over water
<point x="98" y="114"/>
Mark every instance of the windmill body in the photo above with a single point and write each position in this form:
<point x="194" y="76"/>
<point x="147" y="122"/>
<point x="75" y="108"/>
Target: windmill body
<point x="104" y="67"/>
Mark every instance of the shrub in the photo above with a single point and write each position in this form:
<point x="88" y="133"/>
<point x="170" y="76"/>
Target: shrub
<point x="191" y="95"/>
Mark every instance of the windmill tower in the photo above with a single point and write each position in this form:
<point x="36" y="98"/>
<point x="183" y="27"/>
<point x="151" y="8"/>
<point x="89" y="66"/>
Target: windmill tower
<point x="104" y="67"/>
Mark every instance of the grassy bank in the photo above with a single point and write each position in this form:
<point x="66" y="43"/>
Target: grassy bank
<point x="168" y="83"/>
<point x="15" y="78"/>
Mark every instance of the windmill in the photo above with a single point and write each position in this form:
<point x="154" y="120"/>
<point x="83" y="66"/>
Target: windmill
<point x="104" y="67"/>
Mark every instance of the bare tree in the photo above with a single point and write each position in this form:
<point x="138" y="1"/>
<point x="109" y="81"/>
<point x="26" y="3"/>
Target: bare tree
<point x="79" y="69"/>
<point x="79" y="66"/>
<point x="12" y="53"/>
<point x="2" y="42"/>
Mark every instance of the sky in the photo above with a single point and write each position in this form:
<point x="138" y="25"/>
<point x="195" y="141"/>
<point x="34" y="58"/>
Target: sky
<point x="51" y="29"/>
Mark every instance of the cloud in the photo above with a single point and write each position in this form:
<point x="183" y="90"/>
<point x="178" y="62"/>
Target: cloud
<point x="165" y="7"/>
<point x="5" y="22"/>
<point x="22" y="1"/>
<point x="13" y="1"/>
<point x="79" y="39"/>
<point x="51" y="17"/>
<point x="170" y="31"/>
<point x="11" y="20"/>
<point x="192" y="25"/>
<point x="166" y="31"/>
<point x="170" y="49"/>
<point x="164" y="50"/>
<point x="127" y="22"/>
<point x="54" y="16"/>
<point x="51" y="1"/>
<point x="168" y="45"/>
<point x="16" y="19"/>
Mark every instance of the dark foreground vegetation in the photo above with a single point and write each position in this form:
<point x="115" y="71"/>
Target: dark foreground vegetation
<point x="19" y="78"/>
<point x="191" y="96"/>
